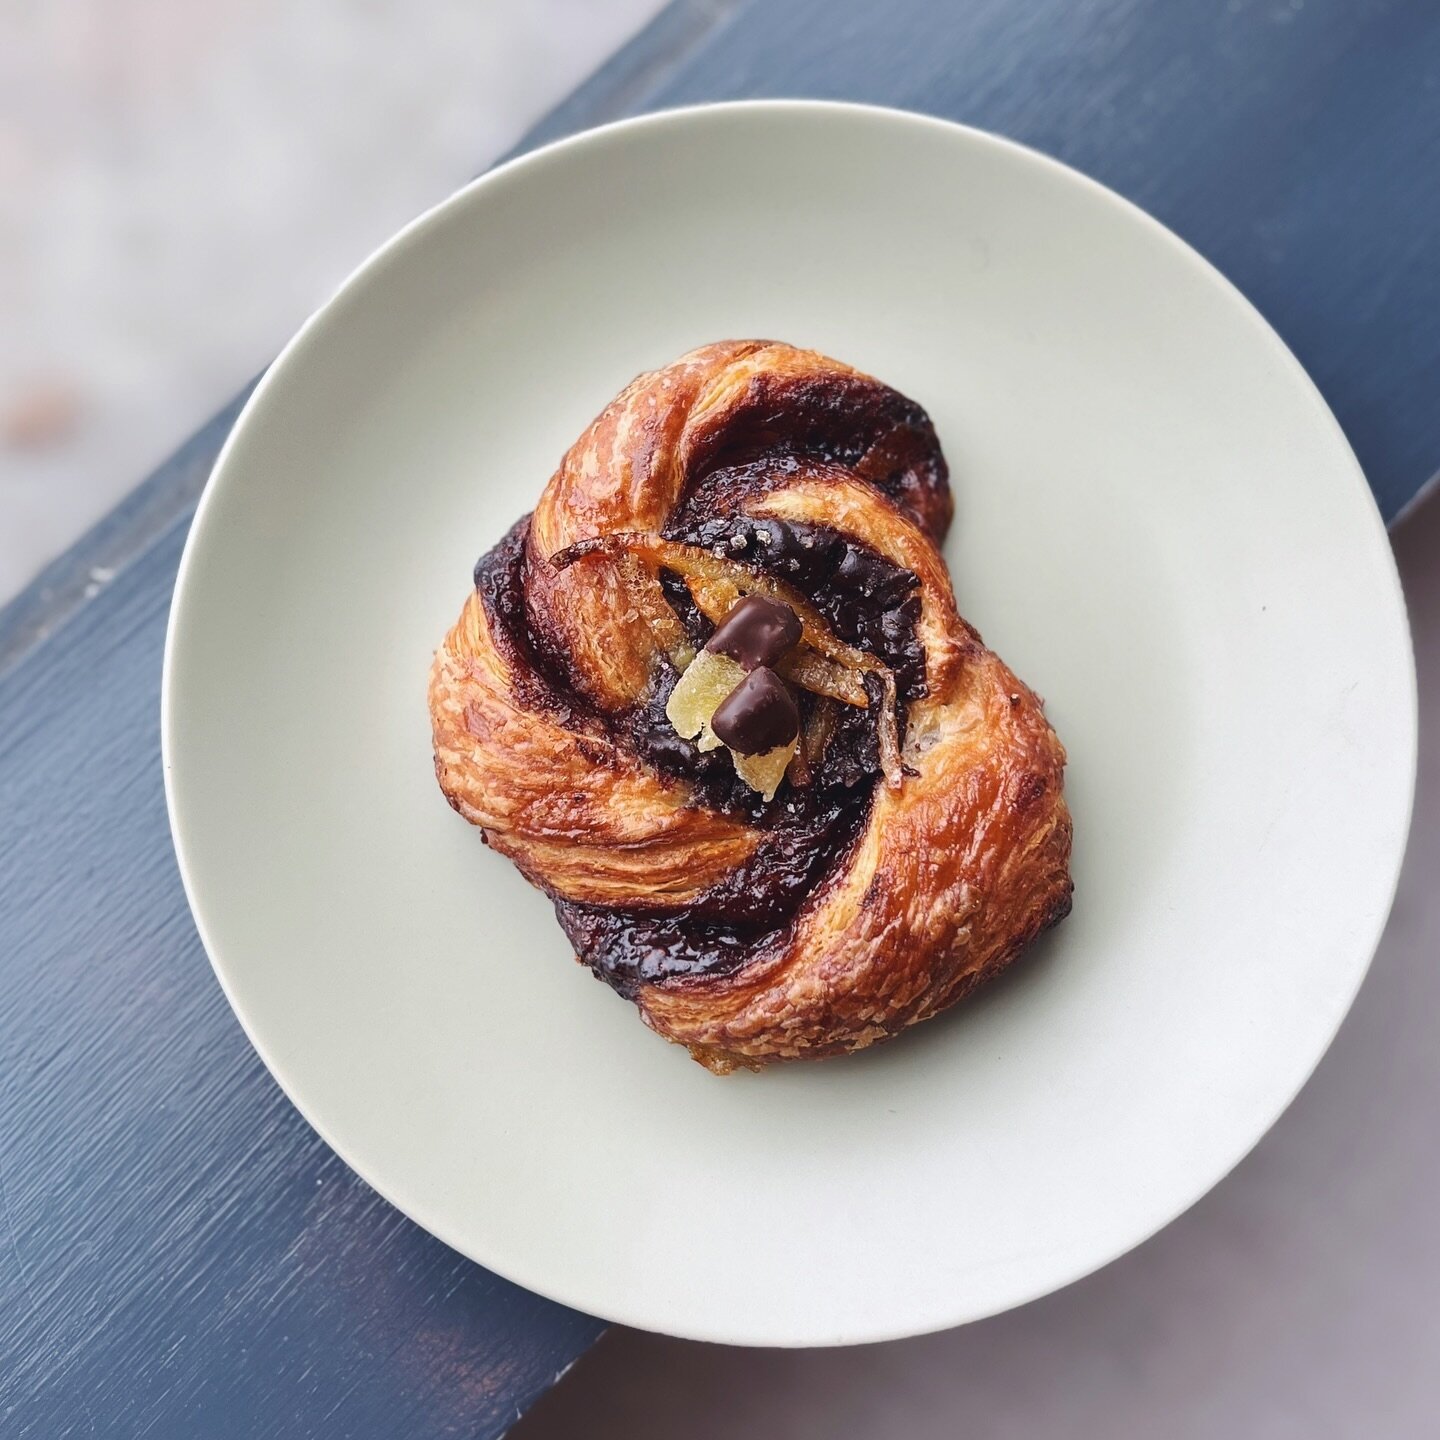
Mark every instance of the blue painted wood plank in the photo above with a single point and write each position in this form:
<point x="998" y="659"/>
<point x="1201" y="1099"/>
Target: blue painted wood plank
<point x="180" y="1255"/>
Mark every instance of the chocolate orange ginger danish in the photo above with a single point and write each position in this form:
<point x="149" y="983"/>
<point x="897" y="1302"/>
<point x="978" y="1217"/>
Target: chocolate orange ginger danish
<point x="714" y="697"/>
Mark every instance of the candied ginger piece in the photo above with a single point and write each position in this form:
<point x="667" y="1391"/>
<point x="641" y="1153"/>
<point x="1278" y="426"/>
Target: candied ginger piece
<point x="707" y="680"/>
<point x="764" y="772"/>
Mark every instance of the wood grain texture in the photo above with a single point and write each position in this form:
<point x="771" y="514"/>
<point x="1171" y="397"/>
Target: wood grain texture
<point x="179" y="1254"/>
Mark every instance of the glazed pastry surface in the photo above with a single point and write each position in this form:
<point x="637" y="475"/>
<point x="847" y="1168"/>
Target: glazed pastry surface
<point x="920" y="838"/>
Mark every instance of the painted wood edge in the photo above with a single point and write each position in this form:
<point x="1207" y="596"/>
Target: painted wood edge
<point x="81" y="573"/>
<point x="1426" y="493"/>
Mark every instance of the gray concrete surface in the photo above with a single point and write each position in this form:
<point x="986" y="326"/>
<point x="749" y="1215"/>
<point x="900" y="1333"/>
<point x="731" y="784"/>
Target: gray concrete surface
<point x="1298" y="1299"/>
<point x="183" y="181"/>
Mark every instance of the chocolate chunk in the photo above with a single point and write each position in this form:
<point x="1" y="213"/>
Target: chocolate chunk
<point x="756" y="632"/>
<point x="758" y="715"/>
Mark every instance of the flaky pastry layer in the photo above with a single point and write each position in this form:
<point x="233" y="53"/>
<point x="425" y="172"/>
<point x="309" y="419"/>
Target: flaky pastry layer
<point x="949" y="875"/>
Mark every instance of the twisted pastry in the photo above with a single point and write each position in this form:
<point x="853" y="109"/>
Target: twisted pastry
<point x="919" y="839"/>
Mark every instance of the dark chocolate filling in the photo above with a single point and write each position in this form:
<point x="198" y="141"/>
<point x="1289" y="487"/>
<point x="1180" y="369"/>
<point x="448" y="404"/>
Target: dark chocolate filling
<point x="871" y="603"/>
<point x="782" y="426"/>
<point x="739" y="920"/>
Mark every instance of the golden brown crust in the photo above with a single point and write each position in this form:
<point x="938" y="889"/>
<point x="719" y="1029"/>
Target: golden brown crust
<point x="951" y="874"/>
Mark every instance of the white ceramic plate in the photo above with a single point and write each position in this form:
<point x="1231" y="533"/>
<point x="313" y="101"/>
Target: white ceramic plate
<point x="1159" y="525"/>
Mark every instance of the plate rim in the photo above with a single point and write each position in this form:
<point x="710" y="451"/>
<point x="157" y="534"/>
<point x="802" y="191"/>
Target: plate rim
<point x="410" y="235"/>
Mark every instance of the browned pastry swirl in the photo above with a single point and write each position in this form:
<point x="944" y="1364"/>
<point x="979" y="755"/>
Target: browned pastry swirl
<point x="921" y="837"/>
